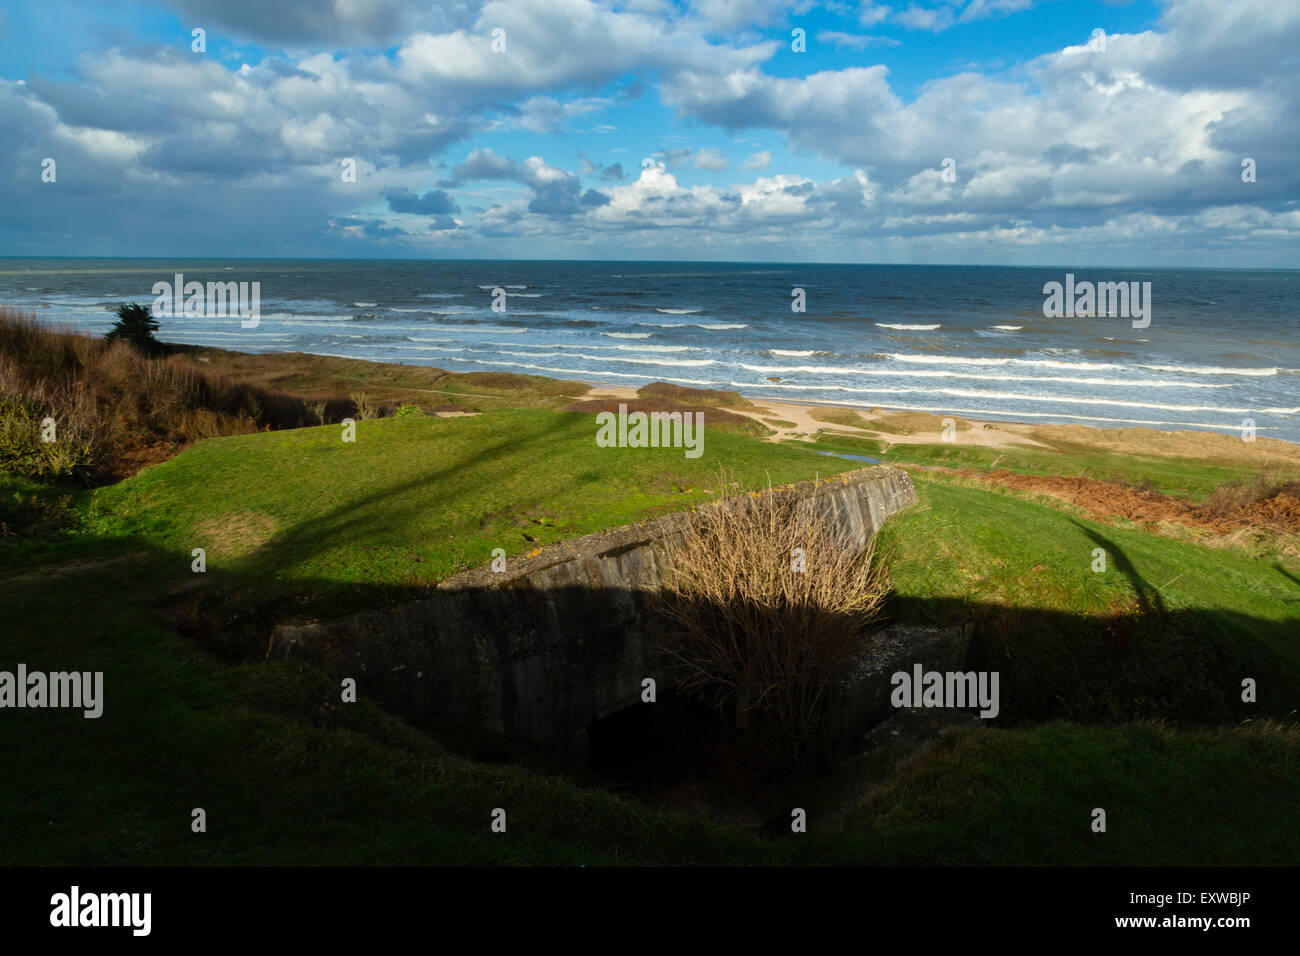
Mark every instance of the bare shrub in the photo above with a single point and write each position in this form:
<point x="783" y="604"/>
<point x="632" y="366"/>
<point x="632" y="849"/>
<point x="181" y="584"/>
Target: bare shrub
<point x="745" y="624"/>
<point x="365" y="408"/>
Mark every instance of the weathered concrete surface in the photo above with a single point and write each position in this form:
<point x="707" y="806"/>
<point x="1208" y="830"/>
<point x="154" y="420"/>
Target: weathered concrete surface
<point x="557" y="641"/>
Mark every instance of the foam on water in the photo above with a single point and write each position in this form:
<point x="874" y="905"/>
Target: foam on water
<point x="1224" y="343"/>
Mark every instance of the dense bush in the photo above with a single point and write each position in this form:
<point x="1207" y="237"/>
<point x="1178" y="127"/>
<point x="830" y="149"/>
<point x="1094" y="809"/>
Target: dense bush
<point x="47" y="432"/>
<point x="27" y="514"/>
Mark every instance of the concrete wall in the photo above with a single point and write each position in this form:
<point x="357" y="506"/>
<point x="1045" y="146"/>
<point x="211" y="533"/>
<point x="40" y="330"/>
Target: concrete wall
<point x="557" y="641"/>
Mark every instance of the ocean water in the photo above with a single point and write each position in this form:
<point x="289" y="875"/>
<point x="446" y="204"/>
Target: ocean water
<point x="1221" y="347"/>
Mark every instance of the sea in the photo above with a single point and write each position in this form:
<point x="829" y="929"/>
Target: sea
<point x="1222" y="347"/>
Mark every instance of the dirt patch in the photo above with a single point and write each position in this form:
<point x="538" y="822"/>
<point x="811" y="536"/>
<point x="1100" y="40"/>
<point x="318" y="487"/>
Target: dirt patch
<point x="1278" y="509"/>
<point x="236" y="534"/>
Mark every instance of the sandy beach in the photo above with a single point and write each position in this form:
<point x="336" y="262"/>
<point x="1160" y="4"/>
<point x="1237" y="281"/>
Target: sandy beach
<point x="803" y="421"/>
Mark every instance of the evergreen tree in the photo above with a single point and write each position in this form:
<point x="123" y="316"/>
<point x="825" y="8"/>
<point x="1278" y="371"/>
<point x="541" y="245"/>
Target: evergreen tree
<point x="135" y="325"/>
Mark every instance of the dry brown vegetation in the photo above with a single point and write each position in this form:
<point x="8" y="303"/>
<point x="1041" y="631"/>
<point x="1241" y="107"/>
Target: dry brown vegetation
<point x="1265" y="503"/>
<point x="698" y="396"/>
<point x="318" y="377"/>
<point x="839" y="416"/>
<point x="112" y="410"/>
<point x="748" y="626"/>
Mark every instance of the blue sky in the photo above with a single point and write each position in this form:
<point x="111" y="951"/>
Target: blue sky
<point x="653" y="129"/>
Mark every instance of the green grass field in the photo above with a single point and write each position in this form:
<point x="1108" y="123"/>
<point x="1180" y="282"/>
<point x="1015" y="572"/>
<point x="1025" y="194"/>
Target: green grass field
<point x="1120" y="689"/>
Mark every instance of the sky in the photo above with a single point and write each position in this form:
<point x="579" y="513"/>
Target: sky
<point x="1013" y="132"/>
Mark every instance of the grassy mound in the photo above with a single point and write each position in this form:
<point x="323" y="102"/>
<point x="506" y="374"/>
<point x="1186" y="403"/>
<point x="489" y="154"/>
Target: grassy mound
<point x="720" y="398"/>
<point x="110" y="409"/>
<point x="300" y="522"/>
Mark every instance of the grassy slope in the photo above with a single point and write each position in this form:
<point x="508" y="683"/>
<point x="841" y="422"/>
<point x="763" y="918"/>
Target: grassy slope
<point x="1168" y="630"/>
<point x="414" y="499"/>
<point x="1172" y="798"/>
<point x="1190" y="478"/>
<point x="288" y="775"/>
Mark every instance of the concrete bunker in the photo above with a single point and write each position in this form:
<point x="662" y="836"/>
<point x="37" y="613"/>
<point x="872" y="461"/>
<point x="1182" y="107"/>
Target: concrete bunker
<point x="546" y="650"/>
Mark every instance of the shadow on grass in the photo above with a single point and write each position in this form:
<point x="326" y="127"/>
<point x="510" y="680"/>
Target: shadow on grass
<point x="1285" y="573"/>
<point x="1148" y="598"/>
<point x="536" y="666"/>
<point x="541" y="664"/>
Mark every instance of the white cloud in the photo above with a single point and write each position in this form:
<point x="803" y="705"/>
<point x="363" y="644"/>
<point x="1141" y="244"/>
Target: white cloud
<point x="710" y="158"/>
<point x="873" y="13"/>
<point x="1148" y="135"/>
<point x="934" y="19"/>
<point x="707" y="158"/>
<point x="855" y="41"/>
<point x="735" y="15"/>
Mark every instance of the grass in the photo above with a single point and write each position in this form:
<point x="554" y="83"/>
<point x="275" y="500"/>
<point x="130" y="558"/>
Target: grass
<point x="1026" y="797"/>
<point x="1168" y="630"/>
<point x="839" y="416"/>
<point x="413" y="499"/>
<point x="1119" y="690"/>
<point x="321" y="376"/>
<point x="288" y="775"/>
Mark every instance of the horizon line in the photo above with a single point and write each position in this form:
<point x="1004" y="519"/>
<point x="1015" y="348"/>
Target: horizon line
<point x="741" y="262"/>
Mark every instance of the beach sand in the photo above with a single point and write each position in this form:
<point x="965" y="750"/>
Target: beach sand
<point x="803" y="421"/>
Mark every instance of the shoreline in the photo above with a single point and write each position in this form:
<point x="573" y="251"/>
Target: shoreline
<point x="332" y="376"/>
<point x="898" y="426"/>
<point x="902" y="426"/>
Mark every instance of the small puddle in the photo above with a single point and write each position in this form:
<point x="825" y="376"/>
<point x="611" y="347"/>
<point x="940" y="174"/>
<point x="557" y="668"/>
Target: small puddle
<point x="835" y="454"/>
